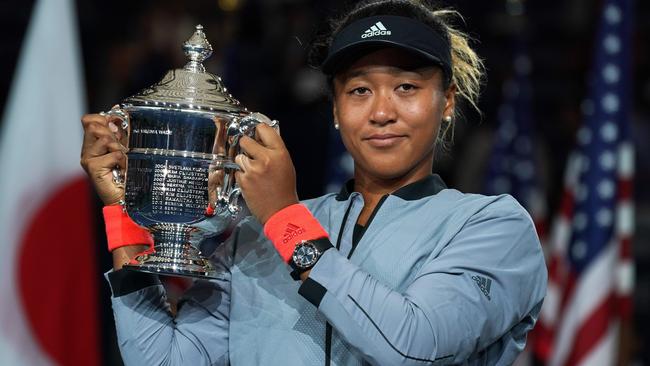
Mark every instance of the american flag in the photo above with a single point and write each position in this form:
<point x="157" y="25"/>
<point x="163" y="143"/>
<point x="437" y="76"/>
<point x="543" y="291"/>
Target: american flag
<point x="512" y="167"/>
<point x="590" y="266"/>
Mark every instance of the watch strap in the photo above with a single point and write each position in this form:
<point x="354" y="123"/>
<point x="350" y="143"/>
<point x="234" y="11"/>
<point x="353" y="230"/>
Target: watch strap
<point x="322" y="245"/>
<point x="290" y="226"/>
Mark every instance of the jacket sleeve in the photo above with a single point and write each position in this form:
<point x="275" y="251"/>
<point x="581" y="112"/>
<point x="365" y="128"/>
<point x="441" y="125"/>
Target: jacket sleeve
<point x="148" y="333"/>
<point x="488" y="280"/>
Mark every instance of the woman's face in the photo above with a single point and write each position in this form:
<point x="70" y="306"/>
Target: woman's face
<point x="389" y="109"/>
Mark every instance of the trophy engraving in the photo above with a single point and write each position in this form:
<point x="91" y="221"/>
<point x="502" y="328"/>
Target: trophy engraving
<point x="182" y="135"/>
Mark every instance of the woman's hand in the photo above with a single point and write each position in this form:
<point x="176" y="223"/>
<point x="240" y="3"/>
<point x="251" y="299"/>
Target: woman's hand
<point x="267" y="176"/>
<point x="101" y="153"/>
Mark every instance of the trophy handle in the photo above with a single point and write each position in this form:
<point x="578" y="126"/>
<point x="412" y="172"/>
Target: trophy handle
<point x="233" y="201"/>
<point x="249" y="122"/>
<point x="246" y="126"/>
<point x="243" y="126"/>
<point x="116" y="111"/>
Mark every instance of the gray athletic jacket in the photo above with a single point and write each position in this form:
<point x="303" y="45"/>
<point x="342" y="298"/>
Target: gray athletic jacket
<point x="438" y="277"/>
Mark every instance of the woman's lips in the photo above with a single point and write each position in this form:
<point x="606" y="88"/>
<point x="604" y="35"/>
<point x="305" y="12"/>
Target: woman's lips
<point x="384" y="139"/>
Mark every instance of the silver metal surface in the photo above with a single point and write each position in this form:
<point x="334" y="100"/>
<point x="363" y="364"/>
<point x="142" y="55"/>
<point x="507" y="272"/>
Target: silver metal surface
<point x="197" y="48"/>
<point x="189" y="88"/>
<point x="182" y="136"/>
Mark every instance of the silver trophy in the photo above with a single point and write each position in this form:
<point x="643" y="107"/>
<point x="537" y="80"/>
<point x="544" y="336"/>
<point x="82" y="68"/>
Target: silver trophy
<point x="182" y="135"/>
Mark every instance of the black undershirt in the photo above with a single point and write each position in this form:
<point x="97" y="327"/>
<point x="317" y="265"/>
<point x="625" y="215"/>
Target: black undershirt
<point x="357" y="234"/>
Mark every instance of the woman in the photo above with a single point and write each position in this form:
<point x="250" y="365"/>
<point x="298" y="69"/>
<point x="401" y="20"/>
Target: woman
<point x="394" y="269"/>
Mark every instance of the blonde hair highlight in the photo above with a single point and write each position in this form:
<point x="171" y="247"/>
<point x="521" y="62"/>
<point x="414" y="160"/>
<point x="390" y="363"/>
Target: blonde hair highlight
<point x="467" y="68"/>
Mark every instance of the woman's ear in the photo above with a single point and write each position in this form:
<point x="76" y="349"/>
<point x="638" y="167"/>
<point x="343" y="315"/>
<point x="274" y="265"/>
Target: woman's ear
<point x="450" y="101"/>
<point x="336" y="119"/>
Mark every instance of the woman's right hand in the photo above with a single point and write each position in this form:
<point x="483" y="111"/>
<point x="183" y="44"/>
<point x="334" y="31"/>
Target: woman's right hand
<point x="101" y="152"/>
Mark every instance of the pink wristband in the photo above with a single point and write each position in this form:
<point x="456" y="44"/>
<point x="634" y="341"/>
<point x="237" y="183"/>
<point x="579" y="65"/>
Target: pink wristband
<point x="122" y="231"/>
<point x="290" y="226"/>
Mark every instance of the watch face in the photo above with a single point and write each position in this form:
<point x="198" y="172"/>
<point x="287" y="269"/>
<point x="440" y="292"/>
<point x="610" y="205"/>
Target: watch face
<point x="305" y="255"/>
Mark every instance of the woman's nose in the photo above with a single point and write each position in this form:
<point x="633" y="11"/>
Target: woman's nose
<point x="383" y="109"/>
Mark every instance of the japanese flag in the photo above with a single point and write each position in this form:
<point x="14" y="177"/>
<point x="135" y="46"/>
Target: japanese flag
<point x="48" y="289"/>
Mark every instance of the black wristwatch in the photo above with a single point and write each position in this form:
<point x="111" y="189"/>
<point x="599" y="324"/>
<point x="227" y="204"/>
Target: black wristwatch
<point x="306" y="254"/>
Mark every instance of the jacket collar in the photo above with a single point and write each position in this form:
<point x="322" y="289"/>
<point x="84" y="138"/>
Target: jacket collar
<point x="424" y="187"/>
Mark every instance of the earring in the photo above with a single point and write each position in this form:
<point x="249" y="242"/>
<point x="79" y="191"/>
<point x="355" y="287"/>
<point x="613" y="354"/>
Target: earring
<point x="336" y="125"/>
<point x="447" y="119"/>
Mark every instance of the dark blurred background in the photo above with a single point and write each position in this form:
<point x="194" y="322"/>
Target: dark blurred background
<point x="260" y="51"/>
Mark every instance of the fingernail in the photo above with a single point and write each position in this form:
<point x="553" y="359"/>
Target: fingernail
<point x="113" y="127"/>
<point x="209" y="211"/>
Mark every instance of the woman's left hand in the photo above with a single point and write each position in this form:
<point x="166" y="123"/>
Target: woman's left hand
<point x="267" y="177"/>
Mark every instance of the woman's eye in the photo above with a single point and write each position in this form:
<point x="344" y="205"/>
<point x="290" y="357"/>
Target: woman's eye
<point x="359" y="91"/>
<point x="407" y="87"/>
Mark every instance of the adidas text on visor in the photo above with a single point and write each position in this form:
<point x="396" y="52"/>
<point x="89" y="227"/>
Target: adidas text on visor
<point x="389" y="30"/>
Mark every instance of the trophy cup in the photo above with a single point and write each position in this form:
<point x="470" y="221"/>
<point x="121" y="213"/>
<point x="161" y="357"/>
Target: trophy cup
<point x="182" y="135"/>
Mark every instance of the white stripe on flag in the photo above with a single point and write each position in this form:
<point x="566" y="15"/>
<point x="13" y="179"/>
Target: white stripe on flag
<point x="572" y="171"/>
<point x="560" y="236"/>
<point x="626" y="161"/>
<point x="593" y="287"/>
<point x="625" y="277"/>
<point x="625" y="219"/>
<point x="604" y="352"/>
<point x="39" y="144"/>
<point x="551" y="307"/>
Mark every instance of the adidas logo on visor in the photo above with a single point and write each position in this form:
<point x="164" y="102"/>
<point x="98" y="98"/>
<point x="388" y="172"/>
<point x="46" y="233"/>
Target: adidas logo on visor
<point x="376" y="30"/>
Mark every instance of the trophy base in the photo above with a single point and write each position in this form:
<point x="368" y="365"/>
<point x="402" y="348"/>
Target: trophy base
<point x="174" y="254"/>
<point x="164" y="265"/>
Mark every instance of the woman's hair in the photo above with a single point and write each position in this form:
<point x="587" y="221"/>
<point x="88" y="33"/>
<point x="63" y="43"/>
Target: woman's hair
<point x="467" y="68"/>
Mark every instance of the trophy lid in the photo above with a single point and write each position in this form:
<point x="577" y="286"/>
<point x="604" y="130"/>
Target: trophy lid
<point x="191" y="87"/>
